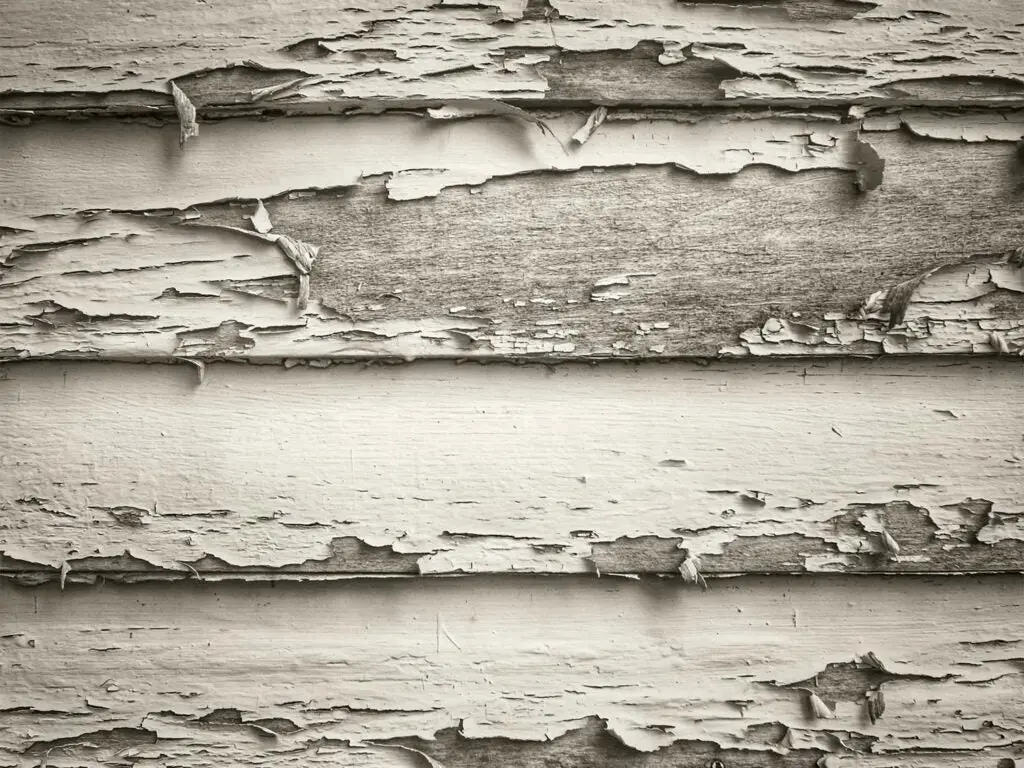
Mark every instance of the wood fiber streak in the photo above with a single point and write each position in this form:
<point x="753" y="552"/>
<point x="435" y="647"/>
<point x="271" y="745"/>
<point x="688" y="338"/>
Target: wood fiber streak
<point x="576" y="672"/>
<point x="314" y="55"/>
<point x="264" y="472"/>
<point x="619" y="254"/>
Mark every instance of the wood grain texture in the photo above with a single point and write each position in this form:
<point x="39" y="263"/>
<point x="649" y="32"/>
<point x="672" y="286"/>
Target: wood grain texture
<point x="514" y="672"/>
<point x="663" y="235"/>
<point x="313" y="55"/>
<point x="744" y="466"/>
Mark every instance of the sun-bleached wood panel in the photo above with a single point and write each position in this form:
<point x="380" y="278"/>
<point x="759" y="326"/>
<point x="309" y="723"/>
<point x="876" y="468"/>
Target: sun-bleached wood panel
<point x="516" y="672"/>
<point x="664" y="234"/>
<point x="902" y="465"/>
<point x="315" y="55"/>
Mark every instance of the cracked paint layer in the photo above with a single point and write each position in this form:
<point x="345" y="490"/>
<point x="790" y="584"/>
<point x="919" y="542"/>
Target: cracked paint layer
<point x="691" y="237"/>
<point x="766" y="466"/>
<point x="974" y="306"/>
<point x="462" y="673"/>
<point x="281" y="56"/>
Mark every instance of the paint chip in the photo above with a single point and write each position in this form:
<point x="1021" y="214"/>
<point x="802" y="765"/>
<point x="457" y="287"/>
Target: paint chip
<point x="187" y="125"/>
<point x="261" y="219"/>
<point x="875" y="705"/>
<point x="872" y="660"/>
<point x="690" y="571"/>
<point x="818" y="708"/>
<point x="870" y="165"/>
<point x="65" y="569"/>
<point x="682" y="463"/>
<point x="302" y="255"/>
<point x="592" y="123"/>
<point x="461" y="109"/>
<point x="890" y="545"/>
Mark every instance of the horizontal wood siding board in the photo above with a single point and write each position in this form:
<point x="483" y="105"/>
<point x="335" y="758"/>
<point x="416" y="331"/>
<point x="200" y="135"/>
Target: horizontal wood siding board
<point x="515" y="671"/>
<point x="665" y="235"/>
<point x="892" y="466"/>
<point x="286" y="57"/>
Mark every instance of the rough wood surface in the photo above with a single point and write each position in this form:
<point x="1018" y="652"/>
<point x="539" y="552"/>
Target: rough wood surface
<point x="899" y="466"/>
<point x="532" y="672"/>
<point x="315" y="55"/>
<point x="665" y="234"/>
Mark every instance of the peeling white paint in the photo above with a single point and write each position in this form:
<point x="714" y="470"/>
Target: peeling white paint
<point x="63" y="167"/>
<point x="425" y="49"/>
<point x="138" y="460"/>
<point x="336" y="669"/>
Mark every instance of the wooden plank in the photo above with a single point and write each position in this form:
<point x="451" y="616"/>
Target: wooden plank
<point x="314" y="56"/>
<point x="555" y="250"/>
<point x="515" y="672"/>
<point x="745" y="466"/>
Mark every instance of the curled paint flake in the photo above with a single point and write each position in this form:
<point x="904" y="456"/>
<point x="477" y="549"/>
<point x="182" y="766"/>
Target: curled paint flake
<point x="890" y="545"/>
<point x="65" y="569"/>
<point x="261" y="219"/>
<point x="187" y="125"/>
<point x="999" y="343"/>
<point x="302" y="255"/>
<point x="431" y="762"/>
<point x="895" y="301"/>
<point x="875" y="705"/>
<point x="818" y="707"/>
<point x="870" y="165"/>
<point x="200" y="367"/>
<point x="461" y="109"/>
<point x="690" y="571"/>
<point x="593" y="122"/>
<point x="282" y="90"/>
<point x="873" y="661"/>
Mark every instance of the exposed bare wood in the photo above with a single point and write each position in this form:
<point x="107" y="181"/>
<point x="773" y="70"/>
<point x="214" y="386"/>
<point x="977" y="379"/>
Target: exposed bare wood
<point x="625" y="262"/>
<point x="765" y="466"/>
<point x="575" y="672"/>
<point x="313" y="55"/>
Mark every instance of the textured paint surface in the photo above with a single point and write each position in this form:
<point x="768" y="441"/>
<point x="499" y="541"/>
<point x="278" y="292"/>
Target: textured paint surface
<point x="180" y="675"/>
<point x="299" y="57"/>
<point x="664" y="234"/>
<point x="434" y="468"/>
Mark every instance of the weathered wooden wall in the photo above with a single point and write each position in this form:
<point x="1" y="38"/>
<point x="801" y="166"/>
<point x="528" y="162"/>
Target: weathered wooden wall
<point x="559" y="383"/>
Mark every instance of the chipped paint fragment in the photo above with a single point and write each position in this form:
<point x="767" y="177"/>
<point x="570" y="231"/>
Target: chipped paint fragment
<point x="187" y="125"/>
<point x="870" y="166"/>
<point x="302" y="255"/>
<point x="818" y="708"/>
<point x="261" y="219"/>
<point x="462" y="109"/>
<point x="593" y="122"/>
<point x="689" y="569"/>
